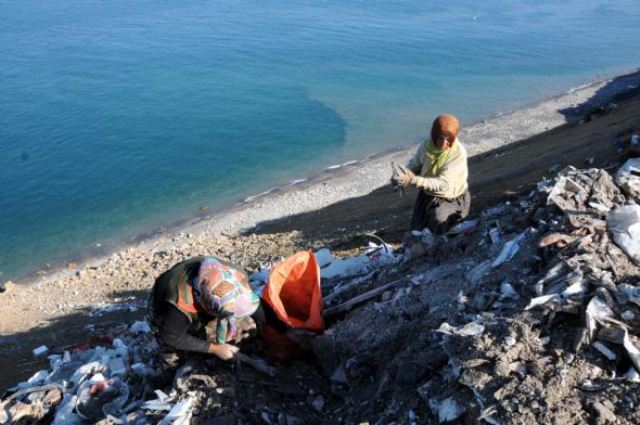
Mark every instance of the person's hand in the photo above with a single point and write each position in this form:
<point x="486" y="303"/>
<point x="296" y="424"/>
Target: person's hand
<point x="224" y="351"/>
<point x="402" y="176"/>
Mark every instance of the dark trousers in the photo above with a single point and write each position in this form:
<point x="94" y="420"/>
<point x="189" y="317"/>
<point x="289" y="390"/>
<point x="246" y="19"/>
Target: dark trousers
<point x="439" y="214"/>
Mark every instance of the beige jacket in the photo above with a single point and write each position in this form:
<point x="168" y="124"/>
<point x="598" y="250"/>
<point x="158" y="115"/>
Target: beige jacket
<point x="450" y="182"/>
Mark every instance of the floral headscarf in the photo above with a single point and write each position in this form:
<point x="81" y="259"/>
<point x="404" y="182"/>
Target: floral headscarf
<point x="224" y="292"/>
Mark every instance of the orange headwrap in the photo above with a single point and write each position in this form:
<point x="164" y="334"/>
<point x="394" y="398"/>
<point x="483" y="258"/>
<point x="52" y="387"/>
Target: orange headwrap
<point x="445" y="124"/>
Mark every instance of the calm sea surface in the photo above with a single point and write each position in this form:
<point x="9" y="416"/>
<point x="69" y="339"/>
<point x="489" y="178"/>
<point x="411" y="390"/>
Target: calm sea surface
<point x="118" y="117"/>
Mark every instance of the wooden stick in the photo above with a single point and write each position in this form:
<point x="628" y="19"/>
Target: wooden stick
<point x="347" y="287"/>
<point x="348" y="305"/>
<point x="256" y="364"/>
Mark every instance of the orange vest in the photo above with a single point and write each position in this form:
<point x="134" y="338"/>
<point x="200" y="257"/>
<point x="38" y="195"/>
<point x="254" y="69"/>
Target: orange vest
<point x="185" y="301"/>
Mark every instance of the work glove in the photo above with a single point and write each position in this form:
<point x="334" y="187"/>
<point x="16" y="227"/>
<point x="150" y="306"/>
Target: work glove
<point x="402" y="176"/>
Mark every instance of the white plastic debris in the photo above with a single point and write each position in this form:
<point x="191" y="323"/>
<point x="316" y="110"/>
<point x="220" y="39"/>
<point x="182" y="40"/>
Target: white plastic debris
<point x="509" y="341"/>
<point x="597" y="311"/>
<point x="475" y="274"/>
<point x="427" y="237"/>
<point x="117" y="366"/>
<point x="85" y="370"/>
<point x="563" y="186"/>
<point x="452" y="370"/>
<point x="604" y="350"/>
<point x="323" y="257"/>
<point x="542" y="300"/>
<point x="509" y="250"/>
<point x="576" y="285"/>
<point x="41" y="377"/>
<point x="121" y="347"/>
<point x="470" y="329"/>
<point x="602" y="209"/>
<point x="627" y="315"/>
<point x="159" y="404"/>
<point x="180" y="414"/>
<point x="140" y="369"/>
<point x="624" y="224"/>
<point x="318" y="403"/>
<point x="464" y="227"/>
<point x="553" y="275"/>
<point x="41" y="350"/>
<point x="413" y="420"/>
<point x="632" y="375"/>
<point x="629" y="293"/>
<point x="140" y="327"/>
<point x="494" y="235"/>
<point x="628" y="176"/>
<point x="55" y="361"/>
<point x="449" y="410"/>
<point x="507" y="291"/>
<point x="632" y="350"/>
<point x="375" y="256"/>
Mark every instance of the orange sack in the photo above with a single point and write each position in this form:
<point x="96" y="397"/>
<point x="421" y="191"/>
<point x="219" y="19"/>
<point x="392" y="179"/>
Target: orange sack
<point x="293" y="293"/>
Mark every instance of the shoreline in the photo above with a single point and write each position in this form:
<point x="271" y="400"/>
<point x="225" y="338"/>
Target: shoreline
<point x="353" y="178"/>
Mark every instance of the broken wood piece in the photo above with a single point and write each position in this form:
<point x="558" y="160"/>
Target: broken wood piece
<point x="348" y="305"/>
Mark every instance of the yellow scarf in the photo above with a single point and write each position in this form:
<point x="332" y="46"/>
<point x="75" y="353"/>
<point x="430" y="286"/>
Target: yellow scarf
<point x="437" y="158"/>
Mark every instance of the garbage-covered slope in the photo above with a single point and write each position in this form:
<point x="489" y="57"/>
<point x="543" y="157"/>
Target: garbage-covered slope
<point x="529" y="315"/>
<point x="536" y="326"/>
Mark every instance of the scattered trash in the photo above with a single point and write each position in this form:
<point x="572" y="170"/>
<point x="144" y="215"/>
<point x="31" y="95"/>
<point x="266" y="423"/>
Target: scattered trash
<point x="374" y="257"/>
<point x="318" y="403"/>
<point x="628" y="178"/>
<point x="510" y="341"/>
<point x="470" y="329"/>
<point x="596" y="313"/>
<point x="180" y="414"/>
<point x="509" y="250"/>
<point x="632" y="350"/>
<point x="477" y="272"/>
<point x="604" y="350"/>
<point x="449" y="410"/>
<point x="516" y="348"/>
<point x="140" y="327"/>
<point x="41" y="350"/>
<point x="507" y="291"/>
<point x="494" y="235"/>
<point x="466" y="226"/>
<point x="627" y="315"/>
<point x="542" y="300"/>
<point x="624" y="223"/>
<point x="564" y="185"/>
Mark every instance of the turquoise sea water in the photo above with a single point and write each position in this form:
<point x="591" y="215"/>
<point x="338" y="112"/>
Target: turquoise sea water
<point x="118" y="117"/>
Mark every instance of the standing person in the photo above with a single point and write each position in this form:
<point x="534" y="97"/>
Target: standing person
<point x="200" y="305"/>
<point x="439" y="170"/>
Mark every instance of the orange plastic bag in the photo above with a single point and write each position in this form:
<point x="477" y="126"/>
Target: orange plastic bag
<point x="293" y="293"/>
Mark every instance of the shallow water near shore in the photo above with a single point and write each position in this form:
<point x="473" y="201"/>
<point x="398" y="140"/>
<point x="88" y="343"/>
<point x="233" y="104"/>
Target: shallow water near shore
<point x="120" y="117"/>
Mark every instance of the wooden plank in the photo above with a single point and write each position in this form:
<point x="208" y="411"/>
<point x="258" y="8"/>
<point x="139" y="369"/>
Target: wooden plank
<point x="348" y="305"/>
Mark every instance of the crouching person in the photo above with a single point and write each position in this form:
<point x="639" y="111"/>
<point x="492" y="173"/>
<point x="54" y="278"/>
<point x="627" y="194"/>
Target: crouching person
<point x="201" y="305"/>
<point x="439" y="170"/>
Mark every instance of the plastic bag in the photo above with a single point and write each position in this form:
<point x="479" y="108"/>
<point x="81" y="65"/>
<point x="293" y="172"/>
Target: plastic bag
<point x="293" y="294"/>
<point x="624" y="224"/>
